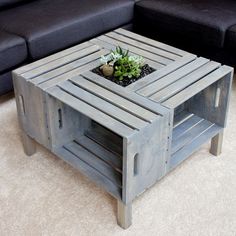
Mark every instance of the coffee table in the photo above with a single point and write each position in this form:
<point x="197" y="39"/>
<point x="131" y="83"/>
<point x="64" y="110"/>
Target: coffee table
<point x="124" y="139"/>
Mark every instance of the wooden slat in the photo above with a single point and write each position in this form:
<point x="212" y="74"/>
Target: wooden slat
<point x="114" y="160"/>
<point x="111" y="46"/>
<point x="95" y="162"/>
<point x="52" y="57"/>
<point x="60" y="62"/>
<point x="104" y="106"/>
<point x="68" y="67"/>
<point x="185" y="126"/>
<point x="88" y="171"/>
<point x="180" y="118"/>
<point x="186" y="137"/>
<point x="54" y="81"/>
<point x="184" y="82"/>
<point x="144" y="46"/>
<point x="161" y="73"/>
<point x="114" y="99"/>
<point x="173" y="77"/>
<point x="212" y="103"/>
<point x="151" y="42"/>
<point x="193" y="146"/>
<point x="91" y="112"/>
<point x="140" y="52"/>
<point x="117" y="89"/>
<point x="217" y="143"/>
<point x="106" y="141"/>
<point x="190" y="91"/>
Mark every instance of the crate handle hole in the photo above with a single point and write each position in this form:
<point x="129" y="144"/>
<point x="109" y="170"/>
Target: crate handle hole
<point x="136" y="157"/>
<point x="217" y="97"/>
<point x="22" y="104"/>
<point x="60" y="118"/>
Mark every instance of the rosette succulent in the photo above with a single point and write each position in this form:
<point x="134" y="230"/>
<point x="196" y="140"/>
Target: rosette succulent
<point x="125" y="65"/>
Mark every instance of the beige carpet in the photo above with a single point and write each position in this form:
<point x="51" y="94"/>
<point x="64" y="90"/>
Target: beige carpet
<point x="41" y="195"/>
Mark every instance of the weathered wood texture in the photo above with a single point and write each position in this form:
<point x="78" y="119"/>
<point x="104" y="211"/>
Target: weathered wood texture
<point x="28" y="144"/>
<point x="124" y="214"/>
<point x="216" y="144"/>
<point x="124" y="139"/>
<point x="130" y="125"/>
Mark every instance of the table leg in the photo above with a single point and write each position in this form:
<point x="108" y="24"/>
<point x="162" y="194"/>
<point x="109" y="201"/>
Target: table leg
<point x="216" y="144"/>
<point x="124" y="214"/>
<point x="28" y="144"/>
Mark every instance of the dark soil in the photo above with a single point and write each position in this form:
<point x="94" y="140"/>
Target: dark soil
<point x="146" y="70"/>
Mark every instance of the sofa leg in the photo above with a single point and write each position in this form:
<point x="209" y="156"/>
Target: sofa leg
<point x="28" y="144"/>
<point x="216" y="144"/>
<point x="124" y="214"/>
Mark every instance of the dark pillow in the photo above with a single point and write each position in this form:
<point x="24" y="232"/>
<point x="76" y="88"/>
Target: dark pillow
<point x="7" y="3"/>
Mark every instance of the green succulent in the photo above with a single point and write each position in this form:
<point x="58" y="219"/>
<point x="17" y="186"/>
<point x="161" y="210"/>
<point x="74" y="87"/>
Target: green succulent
<point x="125" y="66"/>
<point x="120" y="51"/>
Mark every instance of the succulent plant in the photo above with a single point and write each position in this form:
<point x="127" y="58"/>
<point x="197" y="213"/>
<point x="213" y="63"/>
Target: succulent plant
<point x="125" y="65"/>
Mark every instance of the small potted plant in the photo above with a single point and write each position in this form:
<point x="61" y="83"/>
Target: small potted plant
<point x="122" y="68"/>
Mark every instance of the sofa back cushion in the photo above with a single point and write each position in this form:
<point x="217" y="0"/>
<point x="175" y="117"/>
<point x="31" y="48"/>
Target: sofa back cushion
<point x="58" y="24"/>
<point x="186" y="21"/>
<point x="8" y="3"/>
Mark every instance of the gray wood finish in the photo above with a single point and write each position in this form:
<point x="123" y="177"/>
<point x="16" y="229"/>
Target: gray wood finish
<point x="28" y="144"/>
<point x="123" y="138"/>
<point x="70" y="74"/>
<point x="193" y="146"/>
<point x="139" y="100"/>
<point x="53" y="57"/>
<point x="153" y="57"/>
<point x="151" y="42"/>
<point x="212" y="103"/>
<point x="113" y="159"/>
<point x="112" y="142"/>
<point x="115" y="106"/>
<point x="189" y="134"/>
<point x="110" y="46"/>
<point x="89" y="171"/>
<point x="184" y="82"/>
<point x="116" y="100"/>
<point x="216" y="144"/>
<point x="157" y="51"/>
<point x="163" y="82"/>
<point x="124" y="214"/>
<point x="68" y="67"/>
<point x="190" y="91"/>
<point x="60" y="62"/>
<point x="98" y="164"/>
<point x="158" y="74"/>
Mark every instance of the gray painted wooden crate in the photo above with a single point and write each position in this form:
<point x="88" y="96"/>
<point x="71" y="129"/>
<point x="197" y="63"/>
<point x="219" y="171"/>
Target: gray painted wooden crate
<point x="124" y="139"/>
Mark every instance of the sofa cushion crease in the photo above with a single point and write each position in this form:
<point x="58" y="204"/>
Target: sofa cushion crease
<point x="230" y="38"/>
<point x="13" y="51"/>
<point x="52" y="25"/>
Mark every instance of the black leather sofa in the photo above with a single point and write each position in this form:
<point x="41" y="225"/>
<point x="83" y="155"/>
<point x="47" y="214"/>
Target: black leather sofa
<point x="32" y="29"/>
<point x="204" y="27"/>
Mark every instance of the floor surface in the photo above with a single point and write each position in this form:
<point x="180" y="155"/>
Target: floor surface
<point x="41" y="195"/>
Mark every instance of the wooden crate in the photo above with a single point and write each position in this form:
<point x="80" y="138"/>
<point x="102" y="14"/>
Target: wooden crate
<point x="123" y="139"/>
<point x="108" y="136"/>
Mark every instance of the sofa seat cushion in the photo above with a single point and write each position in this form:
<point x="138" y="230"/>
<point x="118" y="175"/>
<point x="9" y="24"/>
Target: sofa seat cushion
<point x="6" y="84"/>
<point x="13" y="51"/>
<point x="51" y="25"/>
<point x="230" y="39"/>
<point x="204" y="21"/>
